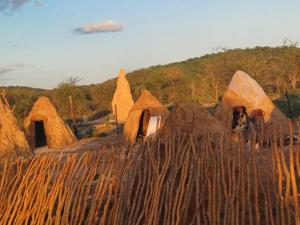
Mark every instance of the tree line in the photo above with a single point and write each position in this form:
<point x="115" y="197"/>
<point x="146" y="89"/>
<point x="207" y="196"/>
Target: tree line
<point x="201" y="79"/>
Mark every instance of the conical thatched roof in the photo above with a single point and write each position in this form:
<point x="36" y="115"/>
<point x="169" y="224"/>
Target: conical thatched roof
<point x="145" y="102"/>
<point x="122" y="99"/>
<point x="189" y="117"/>
<point x="244" y="91"/>
<point x="12" y="139"/>
<point x="57" y="133"/>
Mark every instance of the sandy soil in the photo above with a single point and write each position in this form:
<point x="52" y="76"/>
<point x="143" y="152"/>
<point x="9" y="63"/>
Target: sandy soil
<point x="87" y="144"/>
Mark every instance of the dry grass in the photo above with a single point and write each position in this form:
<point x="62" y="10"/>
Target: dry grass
<point x="185" y="180"/>
<point x="105" y="128"/>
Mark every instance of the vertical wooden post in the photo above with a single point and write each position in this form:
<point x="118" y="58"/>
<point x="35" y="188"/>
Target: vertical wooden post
<point x="117" y="125"/>
<point x="289" y="104"/>
<point x="73" y="116"/>
<point x="174" y="94"/>
<point x="5" y="99"/>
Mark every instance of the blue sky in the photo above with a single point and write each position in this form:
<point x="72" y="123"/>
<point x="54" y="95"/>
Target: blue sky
<point x="39" y="48"/>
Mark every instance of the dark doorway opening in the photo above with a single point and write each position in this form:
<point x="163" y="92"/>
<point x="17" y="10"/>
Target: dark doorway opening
<point x="239" y="118"/>
<point x="143" y="124"/>
<point x="40" y="136"/>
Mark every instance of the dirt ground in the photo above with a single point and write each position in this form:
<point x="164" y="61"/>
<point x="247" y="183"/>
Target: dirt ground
<point x="87" y="144"/>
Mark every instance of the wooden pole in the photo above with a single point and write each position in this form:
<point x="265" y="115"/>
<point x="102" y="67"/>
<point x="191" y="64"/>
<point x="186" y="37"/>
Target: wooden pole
<point x="5" y="99"/>
<point x="73" y="116"/>
<point x="289" y="104"/>
<point x="174" y="94"/>
<point x="117" y="126"/>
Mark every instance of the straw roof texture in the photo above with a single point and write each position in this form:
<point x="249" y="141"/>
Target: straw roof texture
<point x="12" y="140"/>
<point x="145" y="102"/>
<point x="245" y="91"/>
<point x="191" y="117"/>
<point x="58" y="134"/>
<point x="122" y="99"/>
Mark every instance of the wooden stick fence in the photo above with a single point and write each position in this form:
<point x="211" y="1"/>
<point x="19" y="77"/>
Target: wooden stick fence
<point x="184" y="180"/>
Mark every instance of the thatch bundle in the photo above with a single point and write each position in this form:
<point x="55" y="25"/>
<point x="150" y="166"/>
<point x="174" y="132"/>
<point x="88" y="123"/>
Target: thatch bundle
<point x="145" y="102"/>
<point x="56" y="132"/>
<point x="122" y="100"/>
<point x="12" y="140"/>
<point x="244" y="91"/>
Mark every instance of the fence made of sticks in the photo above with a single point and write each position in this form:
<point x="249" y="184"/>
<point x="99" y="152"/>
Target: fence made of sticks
<point x="183" y="180"/>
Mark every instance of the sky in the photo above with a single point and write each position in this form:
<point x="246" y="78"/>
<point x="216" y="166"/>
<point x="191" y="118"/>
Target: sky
<point x="43" y="42"/>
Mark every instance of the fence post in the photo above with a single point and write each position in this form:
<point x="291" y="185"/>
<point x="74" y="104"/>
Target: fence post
<point x="289" y="104"/>
<point x="117" y="125"/>
<point x="73" y="116"/>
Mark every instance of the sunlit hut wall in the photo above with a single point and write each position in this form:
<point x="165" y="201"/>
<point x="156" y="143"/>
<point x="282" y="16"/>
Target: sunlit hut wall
<point x="187" y="118"/>
<point x="122" y="99"/>
<point x="57" y="133"/>
<point x="145" y="102"/>
<point x="245" y="91"/>
<point x="12" y="139"/>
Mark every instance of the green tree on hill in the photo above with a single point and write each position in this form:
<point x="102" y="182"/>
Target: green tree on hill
<point x="202" y="79"/>
<point x="80" y="96"/>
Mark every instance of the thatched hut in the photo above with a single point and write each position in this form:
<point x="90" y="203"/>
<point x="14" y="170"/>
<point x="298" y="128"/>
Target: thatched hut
<point x="146" y="117"/>
<point x="12" y="140"/>
<point x="122" y="100"/>
<point x="191" y="118"/>
<point x="44" y="126"/>
<point x="245" y="91"/>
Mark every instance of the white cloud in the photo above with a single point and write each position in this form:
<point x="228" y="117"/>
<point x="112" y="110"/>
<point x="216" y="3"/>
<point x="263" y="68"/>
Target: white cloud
<point x="102" y="27"/>
<point x="11" y="5"/>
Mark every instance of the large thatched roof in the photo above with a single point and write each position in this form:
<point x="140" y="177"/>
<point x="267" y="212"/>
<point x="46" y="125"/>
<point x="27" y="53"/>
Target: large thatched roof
<point x="58" y="134"/>
<point x="245" y="91"/>
<point x="122" y="99"/>
<point x="12" y="140"/>
<point x="145" y="102"/>
<point x="191" y="117"/>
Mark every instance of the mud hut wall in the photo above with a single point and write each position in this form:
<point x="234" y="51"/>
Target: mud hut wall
<point x="122" y="98"/>
<point x="57" y="132"/>
<point x="12" y="139"/>
<point x="132" y="125"/>
<point x="231" y="99"/>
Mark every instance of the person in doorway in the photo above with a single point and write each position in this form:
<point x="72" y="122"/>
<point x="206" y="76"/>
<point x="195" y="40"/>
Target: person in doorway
<point x="240" y="121"/>
<point x="260" y="127"/>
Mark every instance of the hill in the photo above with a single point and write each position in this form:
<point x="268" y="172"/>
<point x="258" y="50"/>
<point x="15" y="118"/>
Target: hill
<point x="202" y="79"/>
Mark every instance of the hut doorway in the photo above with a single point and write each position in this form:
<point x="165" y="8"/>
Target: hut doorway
<point x="240" y="118"/>
<point x="143" y="124"/>
<point x="40" y="136"/>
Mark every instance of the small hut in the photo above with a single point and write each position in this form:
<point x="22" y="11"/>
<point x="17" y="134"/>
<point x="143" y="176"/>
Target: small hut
<point x="145" y="118"/>
<point x="243" y="91"/>
<point x="122" y="99"/>
<point x="12" y="140"/>
<point x="191" y="117"/>
<point x="44" y="127"/>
